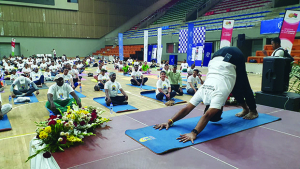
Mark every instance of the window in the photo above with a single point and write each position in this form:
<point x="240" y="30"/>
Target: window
<point x="172" y="47"/>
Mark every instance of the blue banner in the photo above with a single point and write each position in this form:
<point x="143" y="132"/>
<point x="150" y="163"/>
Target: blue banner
<point x="190" y="44"/>
<point x="121" y="55"/>
<point x="207" y="53"/>
<point x="150" y="47"/>
<point x="272" y="26"/>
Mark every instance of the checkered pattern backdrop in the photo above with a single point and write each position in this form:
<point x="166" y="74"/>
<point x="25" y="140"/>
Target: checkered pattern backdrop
<point x="199" y="37"/>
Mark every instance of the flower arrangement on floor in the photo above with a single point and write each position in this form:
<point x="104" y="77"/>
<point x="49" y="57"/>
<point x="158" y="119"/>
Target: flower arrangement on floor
<point x="62" y="131"/>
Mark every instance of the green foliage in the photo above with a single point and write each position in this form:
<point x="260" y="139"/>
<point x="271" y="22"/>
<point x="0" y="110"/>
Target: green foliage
<point x="295" y="79"/>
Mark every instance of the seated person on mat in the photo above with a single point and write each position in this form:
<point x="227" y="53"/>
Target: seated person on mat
<point x="23" y="87"/>
<point x="111" y="92"/>
<point x="137" y="77"/>
<point x="226" y="73"/>
<point x="126" y="69"/>
<point x="8" y="68"/>
<point x="129" y="61"/>
<point x="4" y="109"/>
<point x="53" y="69"/>
<point x="190" y="70"/>
<point x="153" y="64"/>
<point x="145" y="68"/>
<point x="164" y="88"/>
<point x="47" y="75"/>
<point x="193" y="81"/>
<point x="165" y="68"/>
<point x="58" y="96"/>
<point x="102" y="79"/>
<point x="26" y="70"/>
<point x="75" y="74"/>
<point x="43" y="65"/>
<point x="184" y="66"/>
<point x="20" y="66"/>
<point x="175" y="80"/>
<point x="13" y="75"/>
<point x="37" y="77"/>
<point x="68" y="79"/>
<point x="98" y="71"/>
<point x="34" y="65"/>
<point x="120" y="66"/>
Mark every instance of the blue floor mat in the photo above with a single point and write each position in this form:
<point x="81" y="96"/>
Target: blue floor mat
<point x="5" y="124"/>
<point x="185" y="92"/>
<point x="145" y="87"/>
<point x="152" y="95"/>
<point x="33" y="99"/>
<point x="185" y="80"/>
<point x="128" y="75"/>
<point x="80" y="95"/>
<point x="118" y="108"/>
<point x="165" y="140"/>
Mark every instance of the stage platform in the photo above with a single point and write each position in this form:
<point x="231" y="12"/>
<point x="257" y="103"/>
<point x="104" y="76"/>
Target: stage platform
<point x="274" y="145"/>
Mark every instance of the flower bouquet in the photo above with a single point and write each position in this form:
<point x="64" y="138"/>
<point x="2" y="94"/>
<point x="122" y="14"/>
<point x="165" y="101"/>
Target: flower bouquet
<point x="62" y="131"/>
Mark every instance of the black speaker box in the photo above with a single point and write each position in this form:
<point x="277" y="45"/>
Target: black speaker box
<point x="275" y="75"/>
<point x="286" y="100"/>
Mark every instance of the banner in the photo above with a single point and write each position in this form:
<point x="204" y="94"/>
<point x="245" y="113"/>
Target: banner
<point x="159" y="45"/>
<point x="190" y="39"/>
<point x="289" y="29"/>
<point x="207" y="53"/>
<point x="226" y="34"/>
<point x="199" y="38"/>
<point x="272" y="26"/>
<point x="13" y="44"/>
<point x="149" y="57"/>
<point x="121" y="46"/>
<point x="145" y="45"/>
<point x="154" y="52"/>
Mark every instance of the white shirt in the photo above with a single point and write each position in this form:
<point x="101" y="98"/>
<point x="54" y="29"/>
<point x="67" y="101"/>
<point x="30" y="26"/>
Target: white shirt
<point x="9" y="68"/>
<point x="194" y="81"/>
<point x="79" y="66"/>
<point x="47" y="74"/>
<point x="184" y="65"/>
<point x="190" y="70"/>
<point x="43" y="65"/>
<point x="104" y="78"/>
<point x="35" y="76"/>
<point x="130" y="61"/>
<point x="68" y="78"/>
<point x="113" y="88"/>
<point x="34" y="66"/>
<point x="99" y="71"/>
<point x="278" y="52"/>
<point x="58" y="66"/>
<point x="13" y="77"/>
<point x="218" y="84"/>
<point x="74" y="73"/>
<point x="60" y="92"/>
<point x="137" y="74"/>
<point x="164" y="85"/>
<point x="120" y="66"/>
<point x="20" y="65"/>
<point x="26" y="70"/>
<point x="52" y="68"/>
<point x="54" y="52"/>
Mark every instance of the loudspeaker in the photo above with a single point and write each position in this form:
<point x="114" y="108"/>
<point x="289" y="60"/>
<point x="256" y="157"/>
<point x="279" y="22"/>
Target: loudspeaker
<point x="275" y="76"/>
<point x="241" y="40"/>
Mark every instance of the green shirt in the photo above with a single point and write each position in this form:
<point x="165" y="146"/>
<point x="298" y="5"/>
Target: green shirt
<point x="175" y="78"/>
<point x="145" y="67"/>
<point x="125" y="68"/>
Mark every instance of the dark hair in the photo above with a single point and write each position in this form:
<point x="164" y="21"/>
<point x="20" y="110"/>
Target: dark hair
<point x="196" y="70"/>
<point x="276" y="40"/>
<point x="163" y="72"/>
<point x="175" y="66"/>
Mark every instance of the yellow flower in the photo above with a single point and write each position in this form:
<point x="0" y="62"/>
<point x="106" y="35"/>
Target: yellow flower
<point x="85" y="107"/>
<point x="68" y="116"/>
<point x="69" y="107"/>
<point x="74" y="139"/>
<point x="43" y="135"/>
<point x="72" y="116"/>
<point x="58" y="121"/>
<point x="48" y="129"/>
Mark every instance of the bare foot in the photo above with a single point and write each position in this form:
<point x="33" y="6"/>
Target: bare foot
<point x="251" y="115"/>
<point x="242" y="113"/>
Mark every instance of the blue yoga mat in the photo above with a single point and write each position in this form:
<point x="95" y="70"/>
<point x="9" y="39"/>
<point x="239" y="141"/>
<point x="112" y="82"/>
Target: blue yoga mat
<point x="118" y="108"/>
<point x="145" y="87"/>
<point x="165" y="140"/>
<point x="185" y="80"/>
<point x="78" y="94"/>
<point x="185" y="92"/>
<point x="103" y="90"/>
<point x="128" y="75"/>
<point x="33" y="99"/>
<point x="152" y="95"/>
<point x="5" y="124"/>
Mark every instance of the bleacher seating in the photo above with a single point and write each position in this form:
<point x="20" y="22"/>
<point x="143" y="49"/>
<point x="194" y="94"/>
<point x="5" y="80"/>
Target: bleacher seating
<point x="295" y="53"/>
<point x="178" y="11"/>
<point x="127" y="50"/>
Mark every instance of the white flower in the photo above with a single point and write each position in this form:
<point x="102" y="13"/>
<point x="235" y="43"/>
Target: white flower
<point x="67" y="134"/>
<point x="60" y="139"/>
<point x="71" y="122"/>
<point x="62" y="122"/>
<point x="64" y="118"/>
<point x="62" y="133"/>
<point x="67" y="125"/>
<point x="88" y="126"/>
<point x="85" y="133"/>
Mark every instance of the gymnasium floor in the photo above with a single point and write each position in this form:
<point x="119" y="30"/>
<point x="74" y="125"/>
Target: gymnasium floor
<point x="269" y="146"/>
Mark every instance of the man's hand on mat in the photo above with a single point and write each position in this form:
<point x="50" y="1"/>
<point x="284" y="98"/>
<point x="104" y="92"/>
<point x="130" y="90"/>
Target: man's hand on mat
<point x="187" y="137"/>
<point x="126" y="97"/>
<point x="13" y="95"/>
<point x="161" y="126"/>
<point x="138" y="84"/>
<point x="37" y="92"/>
<point x="53" y="108"/>
<point x="168" y="95"/>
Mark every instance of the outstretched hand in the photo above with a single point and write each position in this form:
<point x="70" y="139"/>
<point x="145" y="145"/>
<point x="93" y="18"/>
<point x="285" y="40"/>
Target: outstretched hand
<point x="161" y="126"/>
<point x="187" y="137"/>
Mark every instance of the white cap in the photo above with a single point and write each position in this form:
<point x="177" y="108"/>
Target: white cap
<point x="58" y="76"/>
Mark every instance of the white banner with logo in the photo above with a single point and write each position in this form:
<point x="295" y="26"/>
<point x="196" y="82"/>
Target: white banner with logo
<point x="159" y="45"/>
<point x="226" y="34"/>
<point x="13" y="43"/>
<point x="145" y="45"/>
